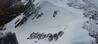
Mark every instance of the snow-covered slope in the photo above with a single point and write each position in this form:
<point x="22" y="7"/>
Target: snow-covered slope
<point x="68" y="19"/>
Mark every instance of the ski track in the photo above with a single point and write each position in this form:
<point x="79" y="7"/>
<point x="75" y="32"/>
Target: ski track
<point x="69" y="20"/>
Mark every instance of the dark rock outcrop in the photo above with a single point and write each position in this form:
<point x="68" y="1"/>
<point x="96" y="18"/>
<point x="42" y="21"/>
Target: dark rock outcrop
<point x="9" y="9"/>
<point x="49" y="36"/>
<point x="8" y="38"/>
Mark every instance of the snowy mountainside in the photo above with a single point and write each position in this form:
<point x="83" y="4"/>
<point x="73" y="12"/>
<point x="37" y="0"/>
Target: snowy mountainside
<point x="68" y="19"/>
<point x="90" y="9"/>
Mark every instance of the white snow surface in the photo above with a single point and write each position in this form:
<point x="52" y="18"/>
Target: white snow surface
<point x="68" y="19"/>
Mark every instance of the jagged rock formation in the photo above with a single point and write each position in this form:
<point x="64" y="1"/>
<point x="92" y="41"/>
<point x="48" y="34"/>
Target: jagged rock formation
<point x="9" y="9"/>
<point x="8" y="38"/>
<point x="13" y="8"/>
<point x="30" y="9"/>
<point x="50" y="36"/>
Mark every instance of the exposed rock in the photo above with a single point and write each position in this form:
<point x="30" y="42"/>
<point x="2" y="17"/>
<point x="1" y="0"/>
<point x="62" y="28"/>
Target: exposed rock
<point x="8" y="11"/>
<point x="8" y="38"/>
<point x="49" y="36"/>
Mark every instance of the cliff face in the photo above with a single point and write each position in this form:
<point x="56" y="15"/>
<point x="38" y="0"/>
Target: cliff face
<point x="8" y="11"/>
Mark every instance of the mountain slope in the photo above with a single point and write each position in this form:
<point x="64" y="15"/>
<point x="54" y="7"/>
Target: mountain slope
<point x="68" y="19"/>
